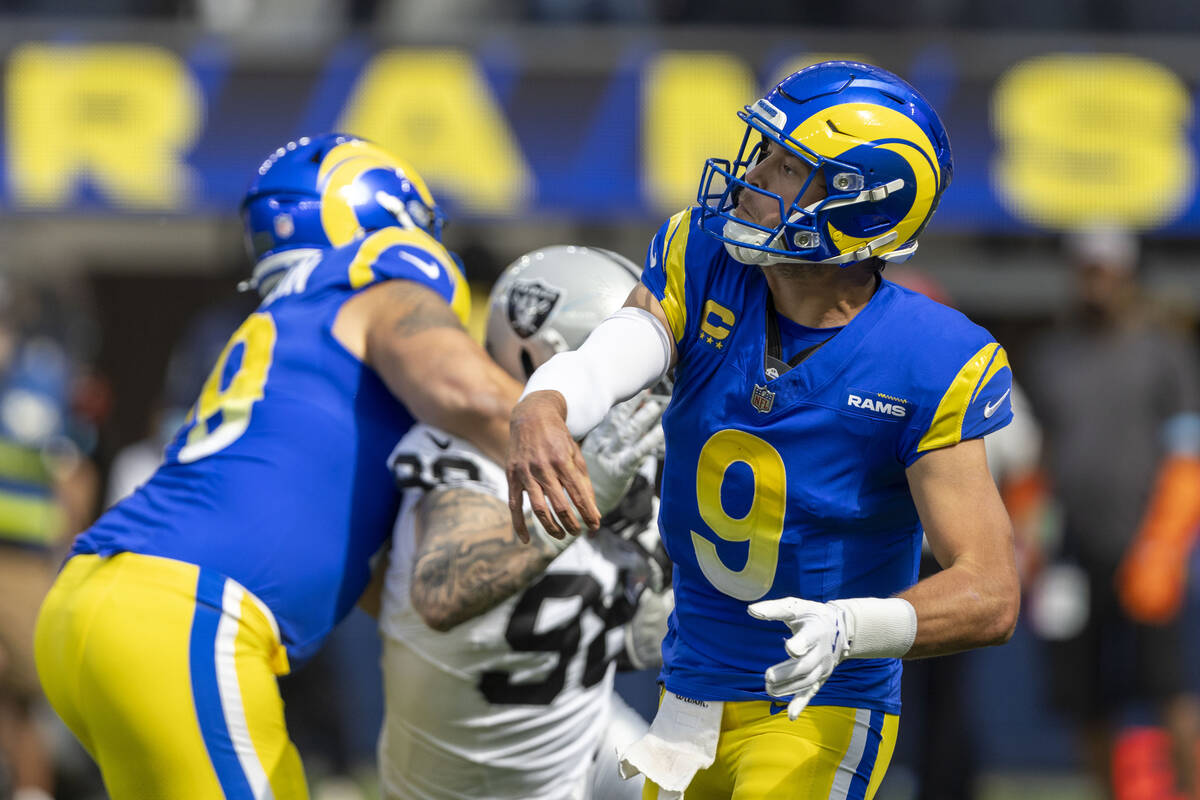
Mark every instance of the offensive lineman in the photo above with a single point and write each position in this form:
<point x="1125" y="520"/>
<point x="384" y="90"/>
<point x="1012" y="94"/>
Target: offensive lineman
<point x="821" y="418"/>
<point x="161" y="639"/>
<point x="498" y="656"/>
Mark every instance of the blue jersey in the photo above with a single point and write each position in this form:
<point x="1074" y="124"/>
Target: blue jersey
<point x="795" y="485"/>
<point x="278" y="478"/>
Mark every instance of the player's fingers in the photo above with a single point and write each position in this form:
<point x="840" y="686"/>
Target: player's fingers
<point x="622" y="412"/>
<point x="541" y="507"/>
<point x="521" y="481"/>
<point x="647" y="416"/>
<point x="801" y="682"/>
<point x="779" y="677"/>
<point x="800" y="701"/>
<point x="782" y="609"/>
<point x="786" y="673"/>
<point x="516" y="508"/>
<point x="786" y="688"/>
<point x="579" y="489"/>
<point x="801" y="645"/>
<point x="642" y="449"/>
<point x="547" y="502"/>
<point x="563" y="513"/>
<point x="568" y="491"/>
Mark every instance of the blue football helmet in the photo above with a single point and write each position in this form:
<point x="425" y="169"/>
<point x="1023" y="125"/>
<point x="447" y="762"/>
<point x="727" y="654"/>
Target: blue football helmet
<point x="328" y="191"/>
<point x="880" y="147"/>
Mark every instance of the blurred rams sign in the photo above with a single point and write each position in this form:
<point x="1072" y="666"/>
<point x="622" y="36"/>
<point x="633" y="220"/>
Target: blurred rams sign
<point x="1042" y="139"/>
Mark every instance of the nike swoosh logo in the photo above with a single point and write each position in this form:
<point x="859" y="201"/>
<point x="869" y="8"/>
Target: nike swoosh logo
<point x="442" y="444"/>
<point x="653" y="258"/>
<point x="990" y="408"/>
<point x="429" y="269"/>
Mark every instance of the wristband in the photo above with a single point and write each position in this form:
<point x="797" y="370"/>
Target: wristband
<point x="878" y="627"/>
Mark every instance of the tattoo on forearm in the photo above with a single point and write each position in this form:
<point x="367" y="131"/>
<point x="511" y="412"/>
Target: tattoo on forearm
<point x="469" y="560"/>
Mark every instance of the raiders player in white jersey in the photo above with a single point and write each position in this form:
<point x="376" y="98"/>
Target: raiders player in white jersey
<point x="499" y="656"/>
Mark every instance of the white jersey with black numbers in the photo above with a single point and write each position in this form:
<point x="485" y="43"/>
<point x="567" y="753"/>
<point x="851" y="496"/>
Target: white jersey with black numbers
<point x="515" y="703"/>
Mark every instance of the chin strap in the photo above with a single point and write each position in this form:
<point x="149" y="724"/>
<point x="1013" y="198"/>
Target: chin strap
<point x="866" y="251"/>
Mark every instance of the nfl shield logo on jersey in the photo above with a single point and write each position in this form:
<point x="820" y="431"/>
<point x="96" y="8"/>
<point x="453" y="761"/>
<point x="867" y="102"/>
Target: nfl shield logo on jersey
<point x="762" y="399"/>
<point x="529" y="303"/>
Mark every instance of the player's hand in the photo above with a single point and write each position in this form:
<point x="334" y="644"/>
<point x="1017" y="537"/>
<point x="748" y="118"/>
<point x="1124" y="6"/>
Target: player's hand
<point x="545" y="462"/>
<point x="1151" y="582"/>
<point x="820" y="642"/>
<point x="645" y="632"/>
<point x="615" y="449"/>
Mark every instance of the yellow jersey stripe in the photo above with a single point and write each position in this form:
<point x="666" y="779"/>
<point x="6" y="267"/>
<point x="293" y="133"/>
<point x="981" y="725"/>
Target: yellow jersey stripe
<point x="946" y="427"/>
<point x="674" y="303"/>
<point x="361" y="272"/>
<point x="999" y="362"/>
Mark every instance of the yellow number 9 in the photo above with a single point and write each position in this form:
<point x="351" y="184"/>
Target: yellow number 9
<point x="257" y="336"/>
<point x="762" y="526"/>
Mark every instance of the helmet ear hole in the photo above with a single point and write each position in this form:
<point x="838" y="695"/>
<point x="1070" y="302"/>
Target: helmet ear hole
<point x="527" y="363"/>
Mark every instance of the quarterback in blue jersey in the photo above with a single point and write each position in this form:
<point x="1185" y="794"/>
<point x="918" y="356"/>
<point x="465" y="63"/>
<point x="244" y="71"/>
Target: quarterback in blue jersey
<point x="161" y="640"/>
<point x="822" y="419"/>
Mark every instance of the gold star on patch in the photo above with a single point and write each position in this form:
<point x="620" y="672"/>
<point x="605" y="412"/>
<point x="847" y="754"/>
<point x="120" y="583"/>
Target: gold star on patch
<point x="719" y="345"/>
<point x="710" y="340"/>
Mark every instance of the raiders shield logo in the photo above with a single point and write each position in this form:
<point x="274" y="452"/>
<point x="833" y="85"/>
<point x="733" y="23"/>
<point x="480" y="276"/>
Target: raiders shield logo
<point x="762" y="399"/>
<point x="529" y="303"/>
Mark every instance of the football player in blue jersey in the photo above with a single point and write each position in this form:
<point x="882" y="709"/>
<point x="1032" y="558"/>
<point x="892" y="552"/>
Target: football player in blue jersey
<point x="822" y="418"/>
<point x="160" y="643"/>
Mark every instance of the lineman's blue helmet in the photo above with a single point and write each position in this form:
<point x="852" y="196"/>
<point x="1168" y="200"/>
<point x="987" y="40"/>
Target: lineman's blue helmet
<point x="880" y="146"/>
<point x="330" y="190"/>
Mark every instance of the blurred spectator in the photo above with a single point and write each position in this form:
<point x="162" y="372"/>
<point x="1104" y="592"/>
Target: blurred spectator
<point x="943" y="753"/>
<point x="47" y="491"/>
<point x="1119" y="397"/>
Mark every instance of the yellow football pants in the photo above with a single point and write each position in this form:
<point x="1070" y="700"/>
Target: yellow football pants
<point x="166" y="672"/>
<point x="828" y="752"/>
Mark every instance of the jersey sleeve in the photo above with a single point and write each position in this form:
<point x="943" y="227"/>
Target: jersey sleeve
<point x="427" y="459"/>
<point x="675" y="265"/>
<point x="411" y="254"/>
<point x="975" y="402"/>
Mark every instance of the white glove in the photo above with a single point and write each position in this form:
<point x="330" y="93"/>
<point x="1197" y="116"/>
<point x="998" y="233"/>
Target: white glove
<point x="820" y="643"/>
<point x="825" y="634"/>
<point x="645" y="632"/>
<point x="627" y="436"/>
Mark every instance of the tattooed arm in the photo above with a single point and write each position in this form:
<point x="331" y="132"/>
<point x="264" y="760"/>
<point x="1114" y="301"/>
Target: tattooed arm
<point x="410" y="337"/>
<point x="468" y="558"/>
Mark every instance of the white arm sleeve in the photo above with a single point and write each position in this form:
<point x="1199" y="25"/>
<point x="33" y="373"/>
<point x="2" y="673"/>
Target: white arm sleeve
<point x="627" y="352"/>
